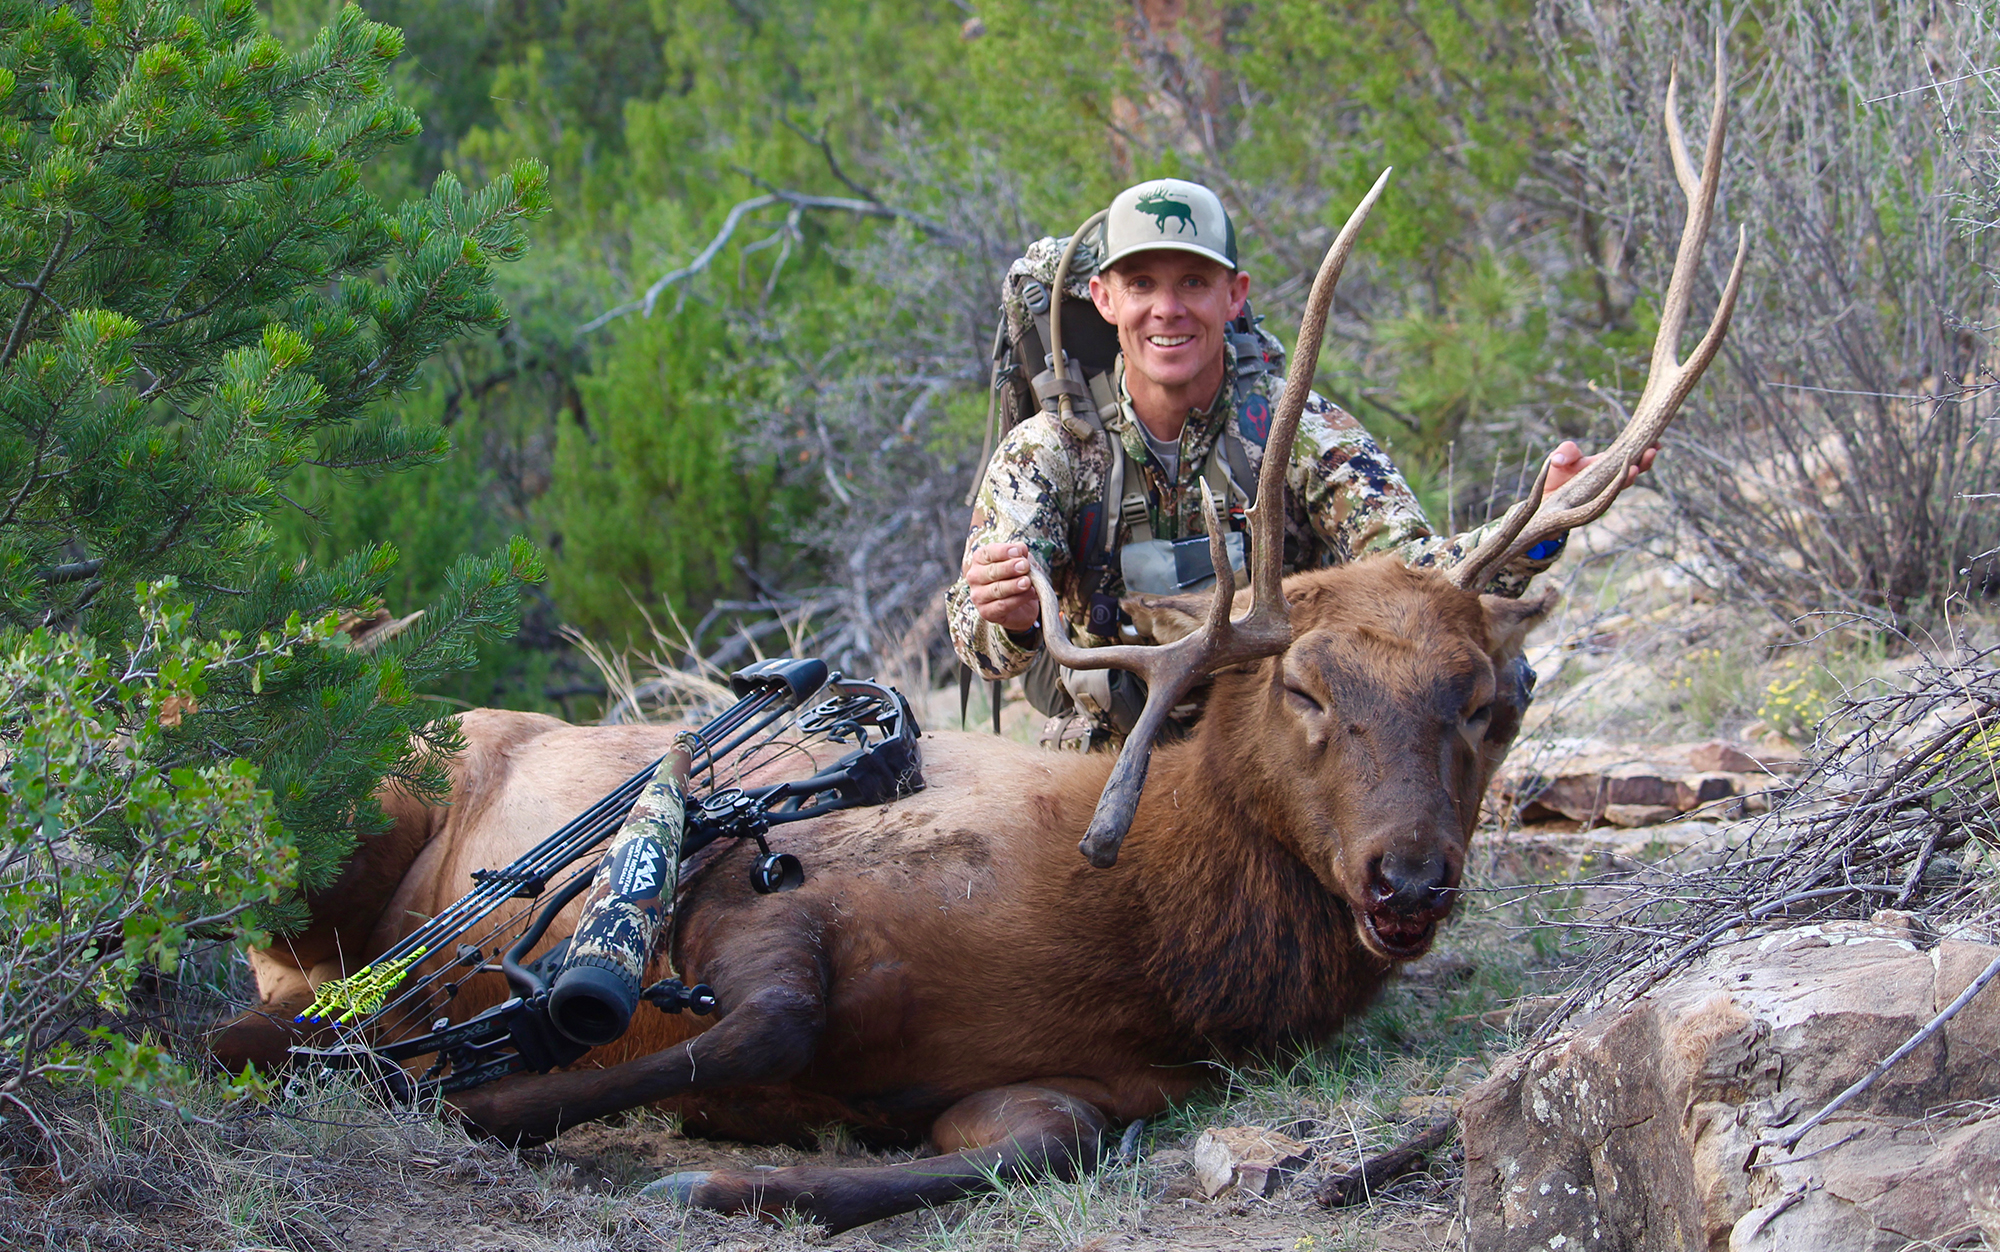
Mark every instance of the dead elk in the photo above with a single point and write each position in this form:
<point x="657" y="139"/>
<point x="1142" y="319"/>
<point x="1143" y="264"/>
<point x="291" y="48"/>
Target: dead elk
<point x="950" y="969"/>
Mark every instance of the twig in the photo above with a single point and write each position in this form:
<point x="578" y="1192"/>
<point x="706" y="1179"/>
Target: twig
<point x="36" y="291"/>
<point x="645" y="303"/>
<point x="1371" y="1175"/>
<point x="1930" y="86"/>
<point x="1790" y="1141"/>
<point x="1821" y="1150"/>
<point x="73" y="572"/>
<point x="826" y="150"/>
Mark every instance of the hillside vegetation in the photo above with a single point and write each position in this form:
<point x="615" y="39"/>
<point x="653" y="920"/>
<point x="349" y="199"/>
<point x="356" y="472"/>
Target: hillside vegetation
<point x="365" y="363"/>
<point x="748" y="352"/>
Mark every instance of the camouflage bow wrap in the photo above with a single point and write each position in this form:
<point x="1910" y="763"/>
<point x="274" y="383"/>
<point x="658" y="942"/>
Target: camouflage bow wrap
<point x="628" y="909"/>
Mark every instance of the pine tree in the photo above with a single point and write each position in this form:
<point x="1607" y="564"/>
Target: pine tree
<point x="199" y="297"/>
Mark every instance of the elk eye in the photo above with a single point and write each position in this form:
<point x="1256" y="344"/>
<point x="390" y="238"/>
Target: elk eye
<point x="1303" y="700"/>
<point x="1483" y="712"/>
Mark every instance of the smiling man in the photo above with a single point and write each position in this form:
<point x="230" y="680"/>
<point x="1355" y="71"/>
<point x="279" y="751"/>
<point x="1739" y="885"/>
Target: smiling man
<point x="1114" y="507"/>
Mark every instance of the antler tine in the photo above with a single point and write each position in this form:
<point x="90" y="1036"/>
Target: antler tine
<point x="1468" y="573"/>
<point x="1267" y="514"/>
<point x="1676" y="142"/>
<point x="1701" y="211"/>
<point x="1172" y="670"/>
<point x="1668" y="381"/>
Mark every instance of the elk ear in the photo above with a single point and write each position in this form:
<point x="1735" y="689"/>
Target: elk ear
<point x="1164" y="619"/>
<point x="1509" y="621"/>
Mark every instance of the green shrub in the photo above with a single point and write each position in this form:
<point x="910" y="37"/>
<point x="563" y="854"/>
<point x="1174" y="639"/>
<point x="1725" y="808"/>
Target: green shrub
<point x="113" y="860"/>
<point x="199" y="298"/>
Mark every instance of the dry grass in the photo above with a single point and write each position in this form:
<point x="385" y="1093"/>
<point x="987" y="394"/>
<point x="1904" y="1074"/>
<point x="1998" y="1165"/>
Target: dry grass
<point x="328" y="1165"/>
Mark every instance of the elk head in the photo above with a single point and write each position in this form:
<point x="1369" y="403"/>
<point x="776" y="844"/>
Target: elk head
<point x="1398" y="909"/>
<point x="1365" y="747"/>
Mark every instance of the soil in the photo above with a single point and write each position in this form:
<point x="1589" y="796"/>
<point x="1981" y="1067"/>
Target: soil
<point x="579" y="1195"/>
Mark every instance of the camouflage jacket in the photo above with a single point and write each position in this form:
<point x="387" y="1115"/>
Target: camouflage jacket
<point x="1344" y="499"/>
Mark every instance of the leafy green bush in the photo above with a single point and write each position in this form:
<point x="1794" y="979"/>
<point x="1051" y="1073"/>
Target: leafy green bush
<point x="201" y="297"/>
<point x="113" y="860"/>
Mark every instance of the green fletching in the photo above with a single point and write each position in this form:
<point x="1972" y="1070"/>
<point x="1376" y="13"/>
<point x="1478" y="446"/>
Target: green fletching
<point x="360" y="993"/>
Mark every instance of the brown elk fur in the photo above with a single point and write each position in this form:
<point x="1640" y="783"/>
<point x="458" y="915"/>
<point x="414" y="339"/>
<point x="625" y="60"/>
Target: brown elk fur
<point x="951" y="957"/>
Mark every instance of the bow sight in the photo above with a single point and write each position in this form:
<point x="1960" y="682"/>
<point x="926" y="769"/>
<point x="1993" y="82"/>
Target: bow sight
<point x="582" y="992"/>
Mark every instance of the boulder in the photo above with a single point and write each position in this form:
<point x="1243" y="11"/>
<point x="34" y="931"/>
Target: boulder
<point x="1728" y="758"/>
<point x="1637" y="1130"/>
<point x="1590" y="782"/>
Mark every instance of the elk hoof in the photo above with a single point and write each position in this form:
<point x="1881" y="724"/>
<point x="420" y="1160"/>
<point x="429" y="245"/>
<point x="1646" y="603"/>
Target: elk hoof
<point x="678" y="1188"/>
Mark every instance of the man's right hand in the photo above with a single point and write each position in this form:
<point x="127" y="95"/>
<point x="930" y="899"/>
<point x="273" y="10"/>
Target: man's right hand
<point x="1001" y="589"/>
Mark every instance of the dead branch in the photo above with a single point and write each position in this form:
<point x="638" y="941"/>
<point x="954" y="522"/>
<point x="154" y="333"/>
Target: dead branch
<point x="1359" y="1185"/>
<point x="1899" y="780"/>
<point x="799" y="202"/>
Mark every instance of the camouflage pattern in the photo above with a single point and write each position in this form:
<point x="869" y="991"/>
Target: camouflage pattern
<point x="1344" y="499"/>
<point x="630" y="903"/>
<point x="1039" y="264"/>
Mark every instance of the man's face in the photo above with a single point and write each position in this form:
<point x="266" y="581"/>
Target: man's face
<point x="1170" y="308"/>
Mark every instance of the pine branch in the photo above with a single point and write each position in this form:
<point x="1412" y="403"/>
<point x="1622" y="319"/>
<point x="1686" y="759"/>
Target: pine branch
<point x="16" y="337"/>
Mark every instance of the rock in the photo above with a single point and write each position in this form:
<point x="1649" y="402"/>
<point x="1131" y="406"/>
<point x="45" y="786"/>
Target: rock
<point x="1247" y="1157"/>
<point x="1580" y="780"/>
<point x="1440" y="968"/>
<point x="1716" y="756"/>
<point x="1426" y="1108"/>
<point x="1695" y="790"/>
<point x="1635" y="1130"/>
<point x="1629" y="816"/>
<point x="1584" y="795"/>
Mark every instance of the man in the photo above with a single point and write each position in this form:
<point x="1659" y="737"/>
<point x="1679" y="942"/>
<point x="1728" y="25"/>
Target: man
<point x="1169" y="283"/>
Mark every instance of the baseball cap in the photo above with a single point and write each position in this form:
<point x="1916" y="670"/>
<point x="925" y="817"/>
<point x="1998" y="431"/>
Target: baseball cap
<point x="1168" y="213"/>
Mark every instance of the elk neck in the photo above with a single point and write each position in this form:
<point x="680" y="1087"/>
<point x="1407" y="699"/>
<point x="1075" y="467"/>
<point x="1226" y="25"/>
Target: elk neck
<point x="1247" y="947"/>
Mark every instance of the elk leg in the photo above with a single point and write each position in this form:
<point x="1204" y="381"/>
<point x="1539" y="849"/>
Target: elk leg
<point x="264" y="1034"/>
<point x="1005" y="1133"/>
<point x="766" y="1038"/>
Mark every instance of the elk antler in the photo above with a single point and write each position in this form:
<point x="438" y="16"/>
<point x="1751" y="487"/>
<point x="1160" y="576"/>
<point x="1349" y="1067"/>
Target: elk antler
<point x="1586" y="498"/>
<point x="1171" y="670"/>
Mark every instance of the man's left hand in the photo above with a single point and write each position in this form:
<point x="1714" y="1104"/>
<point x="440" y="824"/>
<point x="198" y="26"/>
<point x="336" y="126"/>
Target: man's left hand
<point x="1568" y="460"/>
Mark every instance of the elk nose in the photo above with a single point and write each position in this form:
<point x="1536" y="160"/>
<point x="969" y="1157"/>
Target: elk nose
<point x="1412" y="885"/>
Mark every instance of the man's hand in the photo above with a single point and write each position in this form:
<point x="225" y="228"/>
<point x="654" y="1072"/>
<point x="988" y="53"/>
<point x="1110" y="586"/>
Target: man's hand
<point x="1001" y="589"/>
<point x="1567" y="461"/>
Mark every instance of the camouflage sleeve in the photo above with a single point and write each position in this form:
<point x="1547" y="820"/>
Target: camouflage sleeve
<point x="1358" y="501"/>
<point x="1510" y="580"/>
<point x="1026" y="497"/>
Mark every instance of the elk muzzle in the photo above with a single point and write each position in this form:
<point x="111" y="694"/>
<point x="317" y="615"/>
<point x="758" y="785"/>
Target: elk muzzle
<point x="1406" y="896"/>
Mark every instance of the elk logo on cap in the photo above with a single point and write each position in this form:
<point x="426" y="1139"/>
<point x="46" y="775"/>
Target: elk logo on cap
<point x="1159" y="206"/>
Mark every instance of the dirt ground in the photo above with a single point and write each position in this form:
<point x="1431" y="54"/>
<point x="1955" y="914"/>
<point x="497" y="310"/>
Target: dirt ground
<point x="579" y="1195"/>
